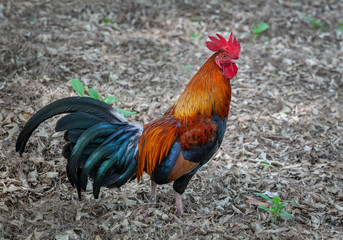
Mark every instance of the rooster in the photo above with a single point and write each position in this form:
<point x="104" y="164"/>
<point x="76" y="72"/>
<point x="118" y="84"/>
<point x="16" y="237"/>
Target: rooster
<point x="104" y="146"/>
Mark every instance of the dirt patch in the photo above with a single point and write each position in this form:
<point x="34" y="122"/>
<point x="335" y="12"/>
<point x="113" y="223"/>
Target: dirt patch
<point x="286" y="111"/>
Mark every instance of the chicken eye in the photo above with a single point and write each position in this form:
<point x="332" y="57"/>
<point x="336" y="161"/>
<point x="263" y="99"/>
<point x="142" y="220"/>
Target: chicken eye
<point x="223" y="56"/>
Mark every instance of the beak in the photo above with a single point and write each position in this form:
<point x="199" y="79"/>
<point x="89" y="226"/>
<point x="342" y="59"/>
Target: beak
<point x="237" y="61"/>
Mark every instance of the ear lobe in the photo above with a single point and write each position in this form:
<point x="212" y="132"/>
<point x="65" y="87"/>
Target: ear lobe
<point x="218" y="63"/>
<point x="230" y="70"/>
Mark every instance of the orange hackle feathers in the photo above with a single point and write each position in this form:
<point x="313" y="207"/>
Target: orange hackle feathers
<point x="208" y="92"/>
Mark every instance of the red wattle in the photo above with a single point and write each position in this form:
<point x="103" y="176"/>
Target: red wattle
<point x="230" y="70"/>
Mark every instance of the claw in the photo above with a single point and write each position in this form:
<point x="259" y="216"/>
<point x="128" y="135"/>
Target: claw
<point x="179" y="203"/>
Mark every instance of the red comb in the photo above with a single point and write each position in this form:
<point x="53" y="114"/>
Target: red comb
<point x="230" y="46"/>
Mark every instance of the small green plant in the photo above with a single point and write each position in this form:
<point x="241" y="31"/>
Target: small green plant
<point x="166" y="49"/>
<point x="194" y="35"/>
<point x="257" y="30"/>
<point x="261" y="27"/>
<point x="340" y="29"/>
<point x="265" y="164"/>
<point x="317" y="24"/>
<point x="80" y="89"/>
<point x="109" y="21"/>
<point x="188" y="66"/>
<point x="278" y="207"/>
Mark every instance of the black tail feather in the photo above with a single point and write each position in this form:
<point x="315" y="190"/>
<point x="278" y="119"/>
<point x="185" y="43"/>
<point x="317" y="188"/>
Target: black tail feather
<point x="79" y="120"/>
<point x="68" y="105"/>
<point x="101" y="144"/>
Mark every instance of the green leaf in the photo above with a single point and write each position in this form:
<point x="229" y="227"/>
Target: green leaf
<point x="285" y="214"/>
<point x="276" y="200"/>
<point x="165" y="49"/>
<point x="264" y="196"/>
<point x="77" y="86"/>
<point x="265" y="164"/>
<point x="125" y="113"/>
<point x="188" y="66"/>
<point x="195" y="20"/>
<point x="261" y="27"/>
<point x="264" y="208"/>
<point x="340" y="29"/>
<point x="93" y="93"/>
<point x="282" y="206"/>
<point x="287" y="112"/>
<point x="110" y="99"/>
<point x="109" y="21"/>
<point x="316" y="23"/>
<point x="194" y="35"/>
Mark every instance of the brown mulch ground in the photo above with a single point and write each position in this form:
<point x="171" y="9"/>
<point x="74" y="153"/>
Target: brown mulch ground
<point x="286" y="111"/>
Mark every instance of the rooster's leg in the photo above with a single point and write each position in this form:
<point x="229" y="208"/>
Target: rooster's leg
<point x="178" y="200"/>
<point x="153" y="192"/>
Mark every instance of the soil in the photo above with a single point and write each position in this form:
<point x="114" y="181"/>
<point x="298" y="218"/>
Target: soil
<point x="284" y="134"/>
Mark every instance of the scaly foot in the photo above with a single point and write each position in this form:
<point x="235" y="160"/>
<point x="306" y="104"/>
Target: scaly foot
<point x="153" y="192"/>
<point x="179" y="203"/>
